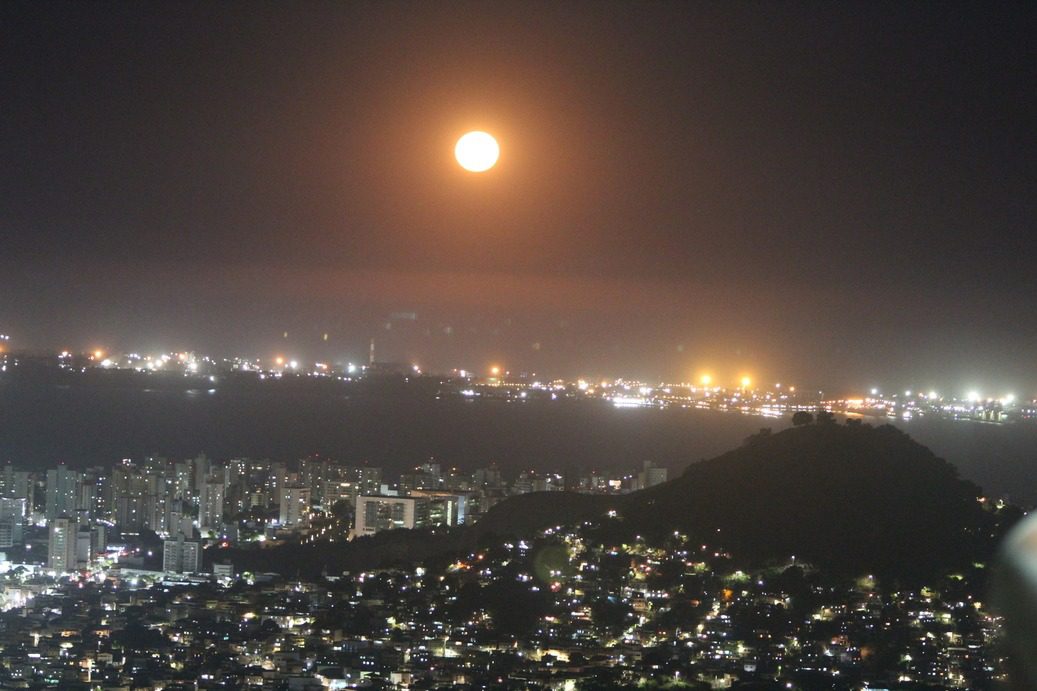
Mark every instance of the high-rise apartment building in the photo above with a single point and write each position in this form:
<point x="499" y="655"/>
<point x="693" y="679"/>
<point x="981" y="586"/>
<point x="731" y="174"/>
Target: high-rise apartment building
<point x="276" y="478"/>
<point x="62" y="492"/>
<point x="61" y="547"/>
<point x="182" y="475"/>
<point x="210" y="504"/>
<point x="14" y="513"/>
<point x="181" y="555"/>
<point x="16" y="483"/>
<point x="295" y="507"/>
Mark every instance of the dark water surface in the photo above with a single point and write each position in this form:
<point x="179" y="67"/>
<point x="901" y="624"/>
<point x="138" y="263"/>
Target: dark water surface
<point x="83" y="421"/>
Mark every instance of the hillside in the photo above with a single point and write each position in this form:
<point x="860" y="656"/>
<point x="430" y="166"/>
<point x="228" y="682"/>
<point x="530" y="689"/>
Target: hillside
<point x="527" y="513"/>
<point x="846" y="498"/>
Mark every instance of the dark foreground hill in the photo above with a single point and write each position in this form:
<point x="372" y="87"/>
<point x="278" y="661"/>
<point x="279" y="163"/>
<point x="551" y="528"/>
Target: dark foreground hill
<point x="847" y="498"/>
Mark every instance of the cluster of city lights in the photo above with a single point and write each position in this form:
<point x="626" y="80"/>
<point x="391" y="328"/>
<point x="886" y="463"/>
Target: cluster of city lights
<point x="706" y="389"/>
<point x="971" y="396"/>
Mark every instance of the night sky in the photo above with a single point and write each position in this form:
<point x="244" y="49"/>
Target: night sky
<point x="839" y="194"/>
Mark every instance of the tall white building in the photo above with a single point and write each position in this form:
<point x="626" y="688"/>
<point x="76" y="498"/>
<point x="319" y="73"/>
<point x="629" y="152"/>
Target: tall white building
<point x="62" y="492"/>
<point x="61" y="547"/>
<point x="210" y="505"/>
<point x="182" y="475"/>
<point x="377" y="513"/>
<point x="276" y="478"/>
<point x="181" y="555"/>
<point x="157" y="499"/>
<point x="129" y="494"/>
<point x="180" y="522"/>
<point x="295" y="506"/>
<point x="88" y="502"/>
<point x="14" y="513"/>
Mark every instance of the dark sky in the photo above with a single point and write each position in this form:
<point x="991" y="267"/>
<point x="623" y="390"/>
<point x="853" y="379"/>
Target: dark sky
<point x="839" y="194"/>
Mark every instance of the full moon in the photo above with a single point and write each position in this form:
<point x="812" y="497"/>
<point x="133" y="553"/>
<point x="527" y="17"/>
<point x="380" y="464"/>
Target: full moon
<point x="477" y="151"/>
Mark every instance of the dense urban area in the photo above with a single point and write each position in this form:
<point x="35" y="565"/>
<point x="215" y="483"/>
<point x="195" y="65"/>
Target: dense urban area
<point x="131" y="576"/>
<point x="570" y="609"/>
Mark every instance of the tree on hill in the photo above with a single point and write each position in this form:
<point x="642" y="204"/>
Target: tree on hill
<point x="802" y="417"/>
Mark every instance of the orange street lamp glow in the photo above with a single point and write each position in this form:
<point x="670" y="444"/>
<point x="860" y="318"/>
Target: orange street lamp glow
<point x="495" y="370"/>
<point x="477" y="151"/>
<point x="706" y="380"/>
<point x="746" y="381"/>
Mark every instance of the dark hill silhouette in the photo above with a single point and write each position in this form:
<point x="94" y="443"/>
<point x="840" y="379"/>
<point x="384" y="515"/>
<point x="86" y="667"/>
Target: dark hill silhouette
<point x="847" y="498"/>
<point x="850" y="499"/>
